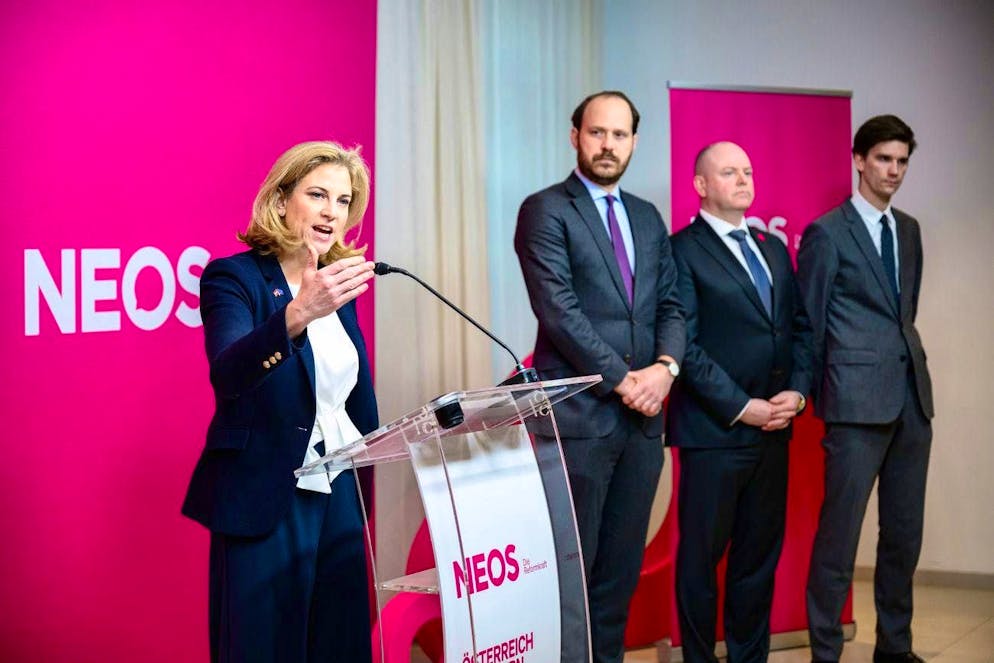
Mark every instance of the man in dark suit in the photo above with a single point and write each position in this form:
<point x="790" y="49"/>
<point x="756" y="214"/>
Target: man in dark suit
<point x="744" y="376"/>
<point x="601" y="279"/>
<point x="860" y="269"/>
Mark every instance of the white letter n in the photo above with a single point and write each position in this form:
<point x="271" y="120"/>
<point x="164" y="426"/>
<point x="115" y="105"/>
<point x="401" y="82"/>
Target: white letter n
<point x="37" y="279"/>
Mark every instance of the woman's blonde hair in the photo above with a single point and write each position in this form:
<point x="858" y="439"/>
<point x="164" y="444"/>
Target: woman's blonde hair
<point x="267" y="231"/>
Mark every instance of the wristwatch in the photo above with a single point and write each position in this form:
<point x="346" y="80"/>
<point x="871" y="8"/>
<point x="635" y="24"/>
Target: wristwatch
<point x="671" y="366"/>
<point x="804" y="401"/>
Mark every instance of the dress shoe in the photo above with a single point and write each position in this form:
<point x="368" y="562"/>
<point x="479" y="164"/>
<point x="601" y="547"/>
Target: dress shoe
<point x="905" y="657"/>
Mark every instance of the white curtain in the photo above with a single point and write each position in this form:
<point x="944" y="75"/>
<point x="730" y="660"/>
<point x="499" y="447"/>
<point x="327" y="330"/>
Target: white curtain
<point x="540" y="60"/>
<point x="430" y="195"/>
<point x="430" y="201"/>
<point x="472" y="114"/>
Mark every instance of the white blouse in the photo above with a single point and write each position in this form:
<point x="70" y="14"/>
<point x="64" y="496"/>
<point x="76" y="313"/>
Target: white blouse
<point x="336" y="370"/>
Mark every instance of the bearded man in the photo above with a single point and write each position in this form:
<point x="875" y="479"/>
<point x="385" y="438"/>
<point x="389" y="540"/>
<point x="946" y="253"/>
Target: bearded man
<point x="602" y="282"/>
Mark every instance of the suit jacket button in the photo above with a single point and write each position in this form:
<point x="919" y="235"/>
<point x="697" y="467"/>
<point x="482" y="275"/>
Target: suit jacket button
<point x="265" y="364"/>
<point x="627" y="358"/>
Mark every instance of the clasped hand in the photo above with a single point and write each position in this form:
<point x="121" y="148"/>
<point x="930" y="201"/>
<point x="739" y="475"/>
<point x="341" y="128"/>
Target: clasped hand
<point x="772" y="414"/>
<point x="645" y="389"/>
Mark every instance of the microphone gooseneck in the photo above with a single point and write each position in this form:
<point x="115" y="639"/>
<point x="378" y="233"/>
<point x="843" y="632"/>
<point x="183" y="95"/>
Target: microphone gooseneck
<point x="521" y="374"/>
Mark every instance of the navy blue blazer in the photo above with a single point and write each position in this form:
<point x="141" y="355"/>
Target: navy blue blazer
<point x="735" y="350"/>
<point x="262" y="423"/>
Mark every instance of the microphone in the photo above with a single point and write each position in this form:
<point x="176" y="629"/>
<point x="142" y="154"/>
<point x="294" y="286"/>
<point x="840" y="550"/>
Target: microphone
<point x="521" y="374"/>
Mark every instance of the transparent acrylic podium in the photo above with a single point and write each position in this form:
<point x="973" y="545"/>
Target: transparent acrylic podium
<point x="509" y="573"/>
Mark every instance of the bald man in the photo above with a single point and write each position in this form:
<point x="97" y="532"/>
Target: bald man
<point x="746" y="369"/>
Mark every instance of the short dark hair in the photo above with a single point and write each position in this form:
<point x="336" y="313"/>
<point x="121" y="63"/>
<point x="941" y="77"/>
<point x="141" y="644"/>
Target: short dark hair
<point x="881" y="129"/>
<point x="578" y="113"/>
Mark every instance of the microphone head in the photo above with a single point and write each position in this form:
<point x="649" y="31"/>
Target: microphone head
<point x="382" y="268"/>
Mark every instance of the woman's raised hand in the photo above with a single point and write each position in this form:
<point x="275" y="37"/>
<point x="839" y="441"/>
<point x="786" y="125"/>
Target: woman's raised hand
<point x="324" y="291"/>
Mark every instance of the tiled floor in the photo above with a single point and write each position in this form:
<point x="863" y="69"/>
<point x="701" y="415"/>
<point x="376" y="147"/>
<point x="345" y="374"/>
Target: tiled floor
<point x="950" y="626"/>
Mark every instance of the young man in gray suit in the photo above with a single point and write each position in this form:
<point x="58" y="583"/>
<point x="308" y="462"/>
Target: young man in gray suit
<point x="860" y="269"/>
<point x="602" y="283"/>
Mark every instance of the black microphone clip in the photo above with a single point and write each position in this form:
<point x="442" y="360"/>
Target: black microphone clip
<point x="382" y="268"/>
<point x="521" y="375"/>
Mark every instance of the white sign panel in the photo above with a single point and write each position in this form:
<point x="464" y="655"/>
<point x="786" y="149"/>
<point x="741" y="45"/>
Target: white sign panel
<point x="499" y="589"/>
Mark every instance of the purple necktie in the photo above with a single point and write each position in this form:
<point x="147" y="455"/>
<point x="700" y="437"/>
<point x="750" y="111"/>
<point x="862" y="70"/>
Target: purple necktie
<point x="619" y="247"/>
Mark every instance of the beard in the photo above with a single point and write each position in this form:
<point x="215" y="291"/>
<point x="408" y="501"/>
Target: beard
<point x="606" y="176"/>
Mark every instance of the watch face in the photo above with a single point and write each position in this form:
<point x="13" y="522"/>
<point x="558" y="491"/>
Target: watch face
<point x="671" y="366"/>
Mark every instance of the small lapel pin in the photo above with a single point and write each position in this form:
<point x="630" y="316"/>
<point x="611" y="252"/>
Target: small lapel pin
<point x="277" y="292"/>
<point x="761" y="236"/>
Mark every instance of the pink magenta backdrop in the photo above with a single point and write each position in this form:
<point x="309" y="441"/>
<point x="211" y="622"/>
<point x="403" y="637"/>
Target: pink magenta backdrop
<point x="125" y="126"/>
<point x="799" y="146"/>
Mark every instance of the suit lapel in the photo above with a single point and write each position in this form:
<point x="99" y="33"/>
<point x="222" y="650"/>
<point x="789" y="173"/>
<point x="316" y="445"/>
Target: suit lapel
<point x="908" y="263"/>
<point x="587" y="210"/>
<point x="279" y="292"/>
<point x="714" y="245"/>
<point x="865" y="244"/>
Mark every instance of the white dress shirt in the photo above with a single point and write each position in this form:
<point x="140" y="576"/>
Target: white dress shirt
<point x="724" y="230"/>
<point x="600" y="201"/>
<point x="336" y="371"/>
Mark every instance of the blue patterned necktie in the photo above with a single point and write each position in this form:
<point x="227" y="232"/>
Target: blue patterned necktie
<point x="887" y="255"/>
<point x="759" y="278"/>
<point x="619" y="248"/>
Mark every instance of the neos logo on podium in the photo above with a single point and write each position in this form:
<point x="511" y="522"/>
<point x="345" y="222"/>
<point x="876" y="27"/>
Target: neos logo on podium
<point x="88" y="279"/>
<point x="484" y="570"/>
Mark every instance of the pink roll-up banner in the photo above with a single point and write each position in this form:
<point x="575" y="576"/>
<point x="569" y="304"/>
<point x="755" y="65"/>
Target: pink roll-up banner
<point x="133" y="138"/>
<point x="799" y="142"/>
